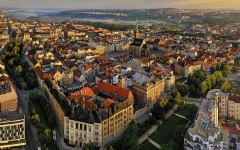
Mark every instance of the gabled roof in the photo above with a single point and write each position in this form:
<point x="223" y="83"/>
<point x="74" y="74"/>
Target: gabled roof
<point x="107" y="102"/>
<point x="85" y="92"/>
<point x="112" y="89"/>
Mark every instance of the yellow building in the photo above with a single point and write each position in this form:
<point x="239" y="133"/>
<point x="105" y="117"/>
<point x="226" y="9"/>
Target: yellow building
<point x="98" y="118"/>
<point x="149" y="91"/>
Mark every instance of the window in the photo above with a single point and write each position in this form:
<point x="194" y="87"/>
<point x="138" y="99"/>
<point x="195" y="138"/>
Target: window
<point x="76" y="125"/>
<point x="90" y="128"/>
<point x="80" y="126"/>
<point x="85" y="127"/>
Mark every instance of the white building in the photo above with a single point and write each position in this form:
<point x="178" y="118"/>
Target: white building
<point x="12" y="130"/>
<point x="206" y="133"/>
<point x="79" y="132"/>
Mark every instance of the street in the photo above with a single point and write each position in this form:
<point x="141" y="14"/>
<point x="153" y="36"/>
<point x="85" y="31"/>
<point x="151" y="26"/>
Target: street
<point x="31" y="144"/>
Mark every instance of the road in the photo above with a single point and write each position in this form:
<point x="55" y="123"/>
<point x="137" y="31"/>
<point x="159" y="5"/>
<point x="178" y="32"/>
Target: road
<point x="31" y="144"/>
<point x="196" y="101"/>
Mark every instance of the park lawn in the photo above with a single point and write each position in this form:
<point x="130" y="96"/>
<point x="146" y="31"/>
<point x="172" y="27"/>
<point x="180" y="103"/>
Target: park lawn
<point x="183" y="112"/>
<point x="147" y="146"/>
<point x="165" y="132"/>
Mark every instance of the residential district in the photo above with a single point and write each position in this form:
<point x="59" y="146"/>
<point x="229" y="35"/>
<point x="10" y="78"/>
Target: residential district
<point x="70" y="86"/>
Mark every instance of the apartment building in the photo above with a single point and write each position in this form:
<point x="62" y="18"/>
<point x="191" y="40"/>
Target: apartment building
<point x="206" y="133"/>
<point x="229" y="104"/>
<point x="97" y="117"/>
<point x="12" y="130"/>
<point x="148" y="91"/>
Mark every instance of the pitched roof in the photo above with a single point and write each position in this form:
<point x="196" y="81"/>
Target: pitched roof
<point x="107" y="102"/>
<point x="85" y="92"/>
<point x="112" y="89"/>
<point x="41" y="74"/>
<point x="137" y="42"/>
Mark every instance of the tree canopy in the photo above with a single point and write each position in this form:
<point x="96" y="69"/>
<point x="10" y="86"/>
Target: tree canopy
<point x="130" y="139"/>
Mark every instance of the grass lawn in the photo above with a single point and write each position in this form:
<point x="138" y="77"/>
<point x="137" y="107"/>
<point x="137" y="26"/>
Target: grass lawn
<point x="165" y="132"/>
<point x="147" y="146"/>
<point x="183" y="112"/>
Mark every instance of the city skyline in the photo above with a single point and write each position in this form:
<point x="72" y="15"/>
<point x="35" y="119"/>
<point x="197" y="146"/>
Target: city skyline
<point x="123" y="4"/>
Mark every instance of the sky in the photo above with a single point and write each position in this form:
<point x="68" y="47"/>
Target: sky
<point x="122" y="4"/>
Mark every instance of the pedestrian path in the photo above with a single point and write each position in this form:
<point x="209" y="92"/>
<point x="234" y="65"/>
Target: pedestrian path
<point x="181" y="116"/>
<point x="154" y="143"/>
<point x="146" y="135"/>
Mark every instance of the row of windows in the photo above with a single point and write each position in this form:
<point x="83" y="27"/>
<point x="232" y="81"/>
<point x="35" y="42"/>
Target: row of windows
<point x="11" y="134"/>
<point x="11" y="127"/>
<point x="12" y="138"/>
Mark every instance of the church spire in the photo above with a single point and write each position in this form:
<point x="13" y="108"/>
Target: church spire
<point x="136" y="31"/>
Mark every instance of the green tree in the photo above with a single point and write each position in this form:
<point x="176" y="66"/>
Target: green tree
<point x="10" y="62"/>
<point x="18" y="70"/>
<point x="162" y="102"/>
<point x="47" y="135"/>
<point x="218" y="75"/>
<point x="203" y="87"/>
<point x="23" y="85"/>
<point x="15" y="50"/>
<point x="212" y="78"/>
<point x="130" y="139"/>
<point x="209" y="84"/>
<point x="226" y="86"/>
<point x="35" y="119"/>
<point x="33" y="95"/>
<point x="225" y="70"/>
<point x="178" y="97"/>
<point x="182" y="88"/>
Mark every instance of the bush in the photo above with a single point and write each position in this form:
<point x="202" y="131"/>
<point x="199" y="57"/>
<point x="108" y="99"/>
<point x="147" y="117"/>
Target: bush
<point x="35" y="119"/>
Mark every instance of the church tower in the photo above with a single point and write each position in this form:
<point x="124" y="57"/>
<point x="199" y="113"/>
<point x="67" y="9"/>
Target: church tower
<point x="136" y="33"/>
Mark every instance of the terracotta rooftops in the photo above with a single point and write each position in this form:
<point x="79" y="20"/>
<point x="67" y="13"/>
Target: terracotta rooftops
<point x="41" y="74"/>
<point x="112" y="89"/>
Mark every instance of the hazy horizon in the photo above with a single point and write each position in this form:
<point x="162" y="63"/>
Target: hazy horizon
<point x="121" y="4"/>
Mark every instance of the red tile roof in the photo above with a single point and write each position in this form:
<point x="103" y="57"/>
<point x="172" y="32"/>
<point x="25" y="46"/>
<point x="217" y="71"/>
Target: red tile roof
<point x="87" y="67"/>
<point x="107" y="102"/>
<point x="86" y="92"/>
<point x="112" y="89"/>
<point x="41" y="74"/>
